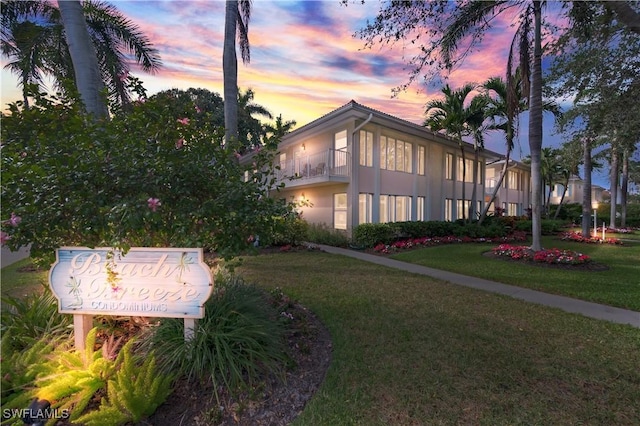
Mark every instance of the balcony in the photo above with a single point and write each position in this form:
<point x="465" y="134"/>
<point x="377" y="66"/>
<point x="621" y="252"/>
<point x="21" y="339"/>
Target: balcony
<point x="315" y="169"/>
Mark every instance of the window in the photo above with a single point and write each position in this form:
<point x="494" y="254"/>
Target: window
<point x="448" y="209"/>
<point x="340" y="210"/>
<point x="463" y="208"/>
<point x="340" y="146"/>
<point x="421" y="159"/>
<point x="365" y="202"/>
<point x="513" y="209"/>
<point x="366" y="148"/>
<point x="395" y="208"/>
<point x="514" y="180"/>
<point x="396" y="155"/>
<point x="384" y="209"/>
<point x="448" y="166"/>
<point x="420" y="208"/>
<point x="468" y="176"/>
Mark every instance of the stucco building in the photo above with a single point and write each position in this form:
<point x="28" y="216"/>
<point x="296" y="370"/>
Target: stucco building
<point x="359" y="165"/>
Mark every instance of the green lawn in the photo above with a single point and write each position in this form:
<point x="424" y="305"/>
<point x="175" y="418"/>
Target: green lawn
<point x="619" y="286"/>
<point x="408" y="349"/>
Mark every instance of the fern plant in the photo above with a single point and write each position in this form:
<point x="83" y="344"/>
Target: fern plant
<point x="17" y="375"/>
<point x="134" y="392"/>
<point x="71" y="378"/>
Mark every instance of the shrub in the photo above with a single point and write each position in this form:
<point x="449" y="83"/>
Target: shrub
<point x="27" y="320"/>
<point x="158" y="175"/>
<point x="287" y="230"/>
<point x="323" y="234"/>
<point x="237" y="342"/>
<point x="370" y="234"/>
<point x="548" y="226"/>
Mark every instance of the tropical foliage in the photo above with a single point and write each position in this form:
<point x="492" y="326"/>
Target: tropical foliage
<point x="150" y="177"/>
<point x="33" y="39"/>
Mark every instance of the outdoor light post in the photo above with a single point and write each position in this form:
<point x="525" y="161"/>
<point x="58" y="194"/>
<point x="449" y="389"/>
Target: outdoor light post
<point x="595" y="218"/>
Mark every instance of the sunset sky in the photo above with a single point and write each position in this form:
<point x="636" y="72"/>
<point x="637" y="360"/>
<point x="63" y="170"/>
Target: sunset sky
<point x="305" y="61"/>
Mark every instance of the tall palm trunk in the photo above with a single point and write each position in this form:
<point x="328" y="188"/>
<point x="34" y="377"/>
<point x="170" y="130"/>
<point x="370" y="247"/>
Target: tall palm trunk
<point x="230" y="71"/>
<point x="474" y="191"/>
<point x="496" y="188"/>
<point x="535" y="131"/>
<point x="586" y="195"/>
<point x="564" y="193"/>
<point x="464" y="180"/>
<point x="613" y="182"/>
<point x="624" y="188"/>
<point x="83" y="56"/>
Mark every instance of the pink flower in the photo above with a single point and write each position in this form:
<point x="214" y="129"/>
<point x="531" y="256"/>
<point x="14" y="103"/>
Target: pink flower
<point x="4" y="237"/>
<point x="14" y="220"/>
<point x="153" y="204"/>
<point x="198" y="110"/>
<point x="184" y="121"/>
<point x="179" y="143"/>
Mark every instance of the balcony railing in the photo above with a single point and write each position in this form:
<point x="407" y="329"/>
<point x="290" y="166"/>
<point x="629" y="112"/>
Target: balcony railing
<point x="321" y="166"/>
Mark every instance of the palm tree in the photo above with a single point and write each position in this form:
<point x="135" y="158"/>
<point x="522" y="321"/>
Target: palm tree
<point x="83" y="56"/>
<point x="279" y="129"/>
<point x="23" y="44"/>
<point x="503" y="109"/>
<point x="236" y="24"/>
<point x="570" y="160"/>
<point x="250" y="130"/>
<point x="450" y="116"/>
<point x="472" y="17"/>
<point x="475" y="123"/>
<point x="111" y="33"/>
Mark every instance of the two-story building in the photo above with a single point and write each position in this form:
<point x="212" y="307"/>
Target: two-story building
<point x="358" y="165"/>
<point x="514" y="194"/>
<point x="575" y="192"/>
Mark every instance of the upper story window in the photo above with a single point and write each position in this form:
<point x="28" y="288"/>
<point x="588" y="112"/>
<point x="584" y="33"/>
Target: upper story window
<point x="340" y="147"/>
<point x="422" y="151"/>
<point x="366" y="148"/>
<point x="514" y="180"/>
<point x="396" y="155"/>
<point x="448" y="166"/>
<point x="467" y="172"/>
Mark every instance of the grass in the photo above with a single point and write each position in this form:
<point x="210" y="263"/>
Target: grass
<point x="22" y="278"/>
<point x="409" y="349"/>
<point x="619" y="286"/>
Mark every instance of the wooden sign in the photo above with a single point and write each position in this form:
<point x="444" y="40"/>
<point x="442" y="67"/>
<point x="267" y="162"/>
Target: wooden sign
<point x="147" y="282"/>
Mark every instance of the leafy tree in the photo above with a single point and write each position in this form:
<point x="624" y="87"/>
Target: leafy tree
<point x="45" y="50"/>
<point x="236" y="24"/>
<point x="597" y="64"/>
<point x="151" y="177"/>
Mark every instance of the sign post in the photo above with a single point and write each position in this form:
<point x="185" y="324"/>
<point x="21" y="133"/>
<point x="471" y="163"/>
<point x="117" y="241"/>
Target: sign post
<point x="147" y="282"/>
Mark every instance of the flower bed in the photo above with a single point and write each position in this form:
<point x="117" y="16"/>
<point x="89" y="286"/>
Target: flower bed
<point x="434" y="241"/>
<point x="551" y="256"/>
<point x="577" y="237"/>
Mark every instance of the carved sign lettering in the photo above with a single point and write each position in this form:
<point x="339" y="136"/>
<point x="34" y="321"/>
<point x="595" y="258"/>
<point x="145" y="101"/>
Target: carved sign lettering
<point x="150" y="282"/>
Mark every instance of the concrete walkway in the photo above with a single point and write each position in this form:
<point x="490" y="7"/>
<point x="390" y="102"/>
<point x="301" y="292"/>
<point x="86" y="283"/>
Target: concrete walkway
<point x="7" y="257"/>
<point x="588" y="309"/>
